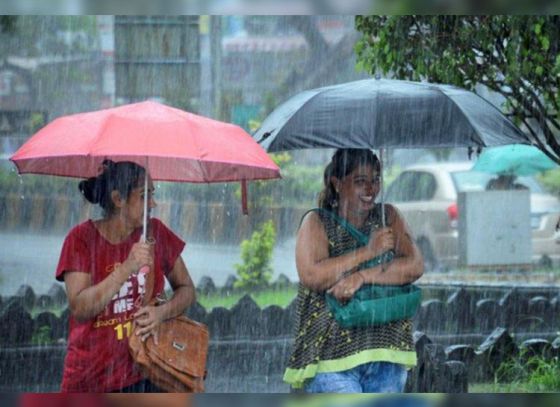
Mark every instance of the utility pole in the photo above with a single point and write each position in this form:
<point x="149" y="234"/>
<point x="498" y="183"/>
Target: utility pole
<point x="105" y="27"/>
<point x="216" y="64"/>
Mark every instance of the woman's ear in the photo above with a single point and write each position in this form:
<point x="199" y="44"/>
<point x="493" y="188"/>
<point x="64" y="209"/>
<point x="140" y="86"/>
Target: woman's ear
<point x="335" y="183"/>
<point x="117" y="200"/>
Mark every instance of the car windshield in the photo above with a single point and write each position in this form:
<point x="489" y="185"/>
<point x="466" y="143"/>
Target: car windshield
<point x="476" y="181"/>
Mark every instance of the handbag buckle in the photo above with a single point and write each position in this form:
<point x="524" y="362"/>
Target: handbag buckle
<point x="178" y="346"/>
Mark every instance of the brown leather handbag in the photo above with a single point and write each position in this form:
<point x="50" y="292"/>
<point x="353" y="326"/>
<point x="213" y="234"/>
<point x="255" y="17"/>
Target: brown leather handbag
<point x="178" y="362"/>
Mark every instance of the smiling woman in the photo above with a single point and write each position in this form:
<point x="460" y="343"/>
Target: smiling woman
<point x="328" y="357"/>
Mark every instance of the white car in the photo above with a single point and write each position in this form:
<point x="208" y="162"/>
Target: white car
<point x="426" y="195"/>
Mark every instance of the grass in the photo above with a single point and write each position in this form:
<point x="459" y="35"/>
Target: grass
<point x="265" y="297"/>
<point x="270" y="296"/>
<point x="55" y="309"/>
<point x="534" y="375"/>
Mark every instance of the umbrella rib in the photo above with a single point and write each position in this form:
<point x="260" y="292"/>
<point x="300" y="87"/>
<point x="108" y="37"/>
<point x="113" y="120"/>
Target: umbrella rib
<point x="480" y="140"/>
<point x="99" y="134"/>
<point x="488" y="104"/>
<point x="298" y="110"/>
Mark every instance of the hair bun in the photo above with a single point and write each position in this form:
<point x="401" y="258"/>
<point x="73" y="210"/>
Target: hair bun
<point x="89" y="189"/>
<point x="107" y="165"/>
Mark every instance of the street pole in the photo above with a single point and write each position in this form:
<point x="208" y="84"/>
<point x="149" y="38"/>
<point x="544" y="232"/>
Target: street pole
<point x="216" y="65"/>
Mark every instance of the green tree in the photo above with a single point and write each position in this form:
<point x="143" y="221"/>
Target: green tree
<point x="515" y="56"/>
<point x="33" y="36"/>
<point x="255" y="270"/>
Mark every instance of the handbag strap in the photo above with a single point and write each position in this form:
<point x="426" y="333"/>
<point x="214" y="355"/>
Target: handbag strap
<point x="360" y="237"/>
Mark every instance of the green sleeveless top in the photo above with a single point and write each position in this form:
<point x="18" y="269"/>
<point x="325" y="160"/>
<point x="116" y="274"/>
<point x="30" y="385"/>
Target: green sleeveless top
<point x="321" y="345"/>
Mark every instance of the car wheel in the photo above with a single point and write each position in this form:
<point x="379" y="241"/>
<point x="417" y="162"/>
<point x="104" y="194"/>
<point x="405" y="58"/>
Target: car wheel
<point x="430" y="261"/>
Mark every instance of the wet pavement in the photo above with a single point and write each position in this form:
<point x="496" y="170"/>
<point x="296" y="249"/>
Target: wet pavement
<point x="31" y="259"/>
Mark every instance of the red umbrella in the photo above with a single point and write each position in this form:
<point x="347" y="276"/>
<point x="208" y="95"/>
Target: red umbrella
<point x="173" y="145"/>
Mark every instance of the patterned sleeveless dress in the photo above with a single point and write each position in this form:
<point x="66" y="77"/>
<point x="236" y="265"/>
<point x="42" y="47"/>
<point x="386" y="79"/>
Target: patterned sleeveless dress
<point x="321" y="345"/>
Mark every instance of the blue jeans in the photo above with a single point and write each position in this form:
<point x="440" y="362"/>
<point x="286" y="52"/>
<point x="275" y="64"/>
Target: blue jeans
<point x="373" y="377"/>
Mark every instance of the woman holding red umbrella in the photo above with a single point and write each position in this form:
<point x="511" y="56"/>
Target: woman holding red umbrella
<point x="102" y="265"/>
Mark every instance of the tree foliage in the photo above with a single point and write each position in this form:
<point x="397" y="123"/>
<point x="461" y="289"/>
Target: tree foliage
<point x="38" y="35"/>
<point x="255" y="270"/>
<point x="515" y="56"/>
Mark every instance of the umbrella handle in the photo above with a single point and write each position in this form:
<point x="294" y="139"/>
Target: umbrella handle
<point x="145" y="220"/>
<point x="383" y="220"/>
<point x="244" y="206"/>
<point x="145" y="269"/>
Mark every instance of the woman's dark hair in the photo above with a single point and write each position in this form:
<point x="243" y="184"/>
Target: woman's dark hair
<point x="343" y="162"/>
<point x="122" y="177"/>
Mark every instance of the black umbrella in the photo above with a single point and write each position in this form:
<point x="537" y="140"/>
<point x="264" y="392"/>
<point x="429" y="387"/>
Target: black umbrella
<point x="383" y="113"/>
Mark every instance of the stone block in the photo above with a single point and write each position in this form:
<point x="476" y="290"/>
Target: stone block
<point x="27" y="295"/>
<point x="275" y="322"/>
<point x="528" y="323"/>
<point x="282" y="281"/>
<point x="540" y="307"/>
<point x="197" y="312"/>
<point x="462" y="353"/>
<point x="453" y="378"/>
<point x="487" y="315"/>
<point x="65" y="323"/>
<point x="31" y="369"/>
<point x="229" y="285"/>
<point x="16" y="324"/>
<point x="246" y="318"/>
<point x="430" y="371"/>
<point x="460" y="307"/>
<point x="58" y="294"/>
<point x="432" y="316"/>
<point x="515" y="304"/>
<point x="536" y="348"/>
<point x="498" y="348"/>
<point x="44" y="301"/>
<point x="206" y="285"/>
<point x="51" y="321"/>
<point x="465" y="354"/>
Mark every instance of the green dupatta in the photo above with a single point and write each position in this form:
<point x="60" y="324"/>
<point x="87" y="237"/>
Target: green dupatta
<point x="372" y="304"/>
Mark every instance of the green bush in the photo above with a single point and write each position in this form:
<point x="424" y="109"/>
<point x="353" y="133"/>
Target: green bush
<point x="42" y="336"/>
<point x="28" y="184"/>
<point x="299" y="186"/>
<point x="255" y="270"/>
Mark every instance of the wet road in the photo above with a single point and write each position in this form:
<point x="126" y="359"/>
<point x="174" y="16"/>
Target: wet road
<point x="31" y="259"/>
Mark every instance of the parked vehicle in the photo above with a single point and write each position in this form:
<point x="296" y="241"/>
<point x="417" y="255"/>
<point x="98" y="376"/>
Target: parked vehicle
<point x="427" y="197"/>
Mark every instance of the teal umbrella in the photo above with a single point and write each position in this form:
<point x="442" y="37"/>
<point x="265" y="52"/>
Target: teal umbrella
<point x="514" y="159"/>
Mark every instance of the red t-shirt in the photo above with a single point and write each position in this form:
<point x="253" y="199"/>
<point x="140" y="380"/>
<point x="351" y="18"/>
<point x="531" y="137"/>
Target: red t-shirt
<point x="61" y="400"/>
<point x="97" y="359"/>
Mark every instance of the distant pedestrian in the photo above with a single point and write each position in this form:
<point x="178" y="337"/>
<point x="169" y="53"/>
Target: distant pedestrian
<point x="504" y="182"/>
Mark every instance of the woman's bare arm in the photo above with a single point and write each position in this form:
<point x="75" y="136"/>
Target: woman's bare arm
<point x="408" y="264"/>
<point x="86" y="300"/>
<point x="183" y="291"/>
<point x="316" y="269"/>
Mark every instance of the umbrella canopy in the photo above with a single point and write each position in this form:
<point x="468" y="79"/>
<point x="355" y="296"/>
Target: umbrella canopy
<point x="172" y="144"/>
<point x="516" y="159"/>
<point x="383" y="113"/>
